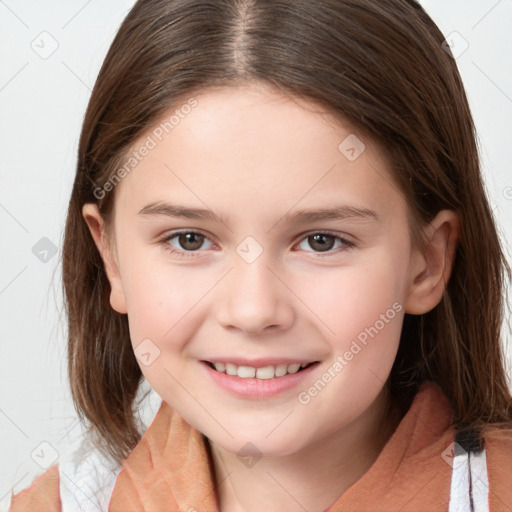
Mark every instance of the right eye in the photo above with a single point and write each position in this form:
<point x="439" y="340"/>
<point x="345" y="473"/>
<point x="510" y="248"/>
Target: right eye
<point x="186" y="243"/>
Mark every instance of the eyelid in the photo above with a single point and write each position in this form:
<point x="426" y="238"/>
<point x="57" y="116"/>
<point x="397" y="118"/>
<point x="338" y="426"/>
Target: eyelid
<point x="335" y="234"/>
<point x="172" y="234"/>
<point x="347" y="241"/>
<point x="175" y="232"/>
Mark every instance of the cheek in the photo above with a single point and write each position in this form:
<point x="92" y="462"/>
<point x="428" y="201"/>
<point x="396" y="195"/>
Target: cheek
<point x="361" y="315"/>
<point x="353" y="298"/>
<point x="163" y="303"/>
<point x="360" y="311"/>
<point x="167" y="305"/>
<point x="160" y="298"/>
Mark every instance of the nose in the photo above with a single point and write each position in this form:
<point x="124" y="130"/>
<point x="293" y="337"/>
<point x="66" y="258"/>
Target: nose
<point x="253" y="298"/>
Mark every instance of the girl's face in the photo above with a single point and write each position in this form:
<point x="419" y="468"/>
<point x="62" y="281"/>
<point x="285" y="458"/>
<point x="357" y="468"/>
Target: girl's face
<point x="258" y="235"/>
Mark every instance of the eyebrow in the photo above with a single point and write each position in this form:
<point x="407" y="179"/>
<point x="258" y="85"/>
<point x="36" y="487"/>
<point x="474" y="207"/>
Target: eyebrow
<point x="340" y="212"/>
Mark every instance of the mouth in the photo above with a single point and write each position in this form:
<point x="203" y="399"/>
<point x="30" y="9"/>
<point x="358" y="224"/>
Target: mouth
<point x="266" y="372"/>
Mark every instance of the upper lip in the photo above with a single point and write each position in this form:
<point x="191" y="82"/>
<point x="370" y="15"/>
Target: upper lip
<point x="259" y="362"/>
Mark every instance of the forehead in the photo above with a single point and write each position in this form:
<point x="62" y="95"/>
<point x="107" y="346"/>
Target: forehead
<point x="255" y="150"/>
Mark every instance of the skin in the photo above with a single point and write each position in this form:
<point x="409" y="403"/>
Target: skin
<point x="253" y="155"/>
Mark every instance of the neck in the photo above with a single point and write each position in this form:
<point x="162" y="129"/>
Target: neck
<point x="312" y="478"/>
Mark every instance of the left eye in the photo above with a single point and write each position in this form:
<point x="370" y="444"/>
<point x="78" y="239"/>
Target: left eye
<point x="324" y="242"/>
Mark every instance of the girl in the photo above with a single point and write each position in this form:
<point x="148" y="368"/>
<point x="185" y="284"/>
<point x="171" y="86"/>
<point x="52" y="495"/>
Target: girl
<point x="278" y="221"/>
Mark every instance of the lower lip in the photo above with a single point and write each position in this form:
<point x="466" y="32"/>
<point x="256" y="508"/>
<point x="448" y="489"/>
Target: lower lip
<point x="258" y="388"/>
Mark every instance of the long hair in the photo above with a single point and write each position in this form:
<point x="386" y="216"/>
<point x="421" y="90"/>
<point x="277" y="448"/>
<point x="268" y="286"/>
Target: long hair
<point x="382" y="67"/>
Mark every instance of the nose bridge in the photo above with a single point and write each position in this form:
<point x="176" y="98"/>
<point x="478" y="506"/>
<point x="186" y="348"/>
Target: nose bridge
<point x="253" y="298"/>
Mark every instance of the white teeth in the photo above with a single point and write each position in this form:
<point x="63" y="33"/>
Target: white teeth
<point x="230" y="369"/>
<point x="267" y="372"/>
<point x="263" y="373"/>
<point x="220" y="367"/>
<point x="293" y="368"/>
<point x="246" y="372"/>
<point x="281" y="370"/>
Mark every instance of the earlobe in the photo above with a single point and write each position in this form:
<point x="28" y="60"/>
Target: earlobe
<point x="432" y="266"/>
<point x="96" y="226"/>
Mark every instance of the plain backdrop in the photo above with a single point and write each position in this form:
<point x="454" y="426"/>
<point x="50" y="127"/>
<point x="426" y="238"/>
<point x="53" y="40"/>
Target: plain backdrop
<point x="50" y="54"/>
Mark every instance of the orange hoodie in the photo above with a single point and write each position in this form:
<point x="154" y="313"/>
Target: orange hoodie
<point x="171" y="470"/>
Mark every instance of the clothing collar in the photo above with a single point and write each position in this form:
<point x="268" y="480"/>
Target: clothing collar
<point x="171" y="467"/>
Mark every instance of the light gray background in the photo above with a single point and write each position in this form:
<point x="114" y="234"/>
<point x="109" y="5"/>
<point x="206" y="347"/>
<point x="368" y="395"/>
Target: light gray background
<point x="42" y="103"/>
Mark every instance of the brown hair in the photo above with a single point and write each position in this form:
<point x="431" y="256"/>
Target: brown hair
<point x="380" y="66"/>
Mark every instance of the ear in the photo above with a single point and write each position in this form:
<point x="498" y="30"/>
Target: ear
<point x="432" y="266"/>
<point x="96" y="226"/>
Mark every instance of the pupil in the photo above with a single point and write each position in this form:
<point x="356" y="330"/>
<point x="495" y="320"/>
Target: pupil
<point x="191" y="238"/>
<point x="320" y="240"/>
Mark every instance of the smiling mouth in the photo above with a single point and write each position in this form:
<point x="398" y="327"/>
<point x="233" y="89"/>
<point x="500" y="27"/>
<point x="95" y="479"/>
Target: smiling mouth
<point x="262" y="373"/>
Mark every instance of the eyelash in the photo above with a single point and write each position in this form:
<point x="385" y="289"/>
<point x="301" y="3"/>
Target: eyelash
<point x="346" y="244"/>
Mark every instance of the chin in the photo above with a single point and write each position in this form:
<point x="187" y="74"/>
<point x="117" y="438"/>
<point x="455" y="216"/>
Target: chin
<point x="258" y="446"/>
